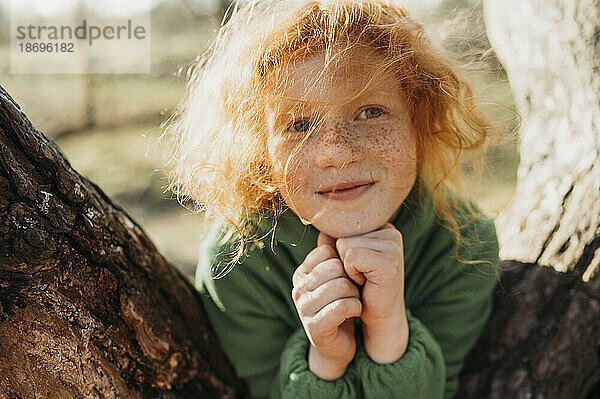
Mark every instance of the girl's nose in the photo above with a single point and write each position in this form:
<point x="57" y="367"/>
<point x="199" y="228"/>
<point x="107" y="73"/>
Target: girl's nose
<point x="336" y="146"/>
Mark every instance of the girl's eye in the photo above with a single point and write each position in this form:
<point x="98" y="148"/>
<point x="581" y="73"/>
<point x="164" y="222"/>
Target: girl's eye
<point x="370" y="113"/>
<point x="300" y="126"/>
<point x="304" y="125"/>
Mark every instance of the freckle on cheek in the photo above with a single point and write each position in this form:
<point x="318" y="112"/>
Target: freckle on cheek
<point x="386" y="144"/>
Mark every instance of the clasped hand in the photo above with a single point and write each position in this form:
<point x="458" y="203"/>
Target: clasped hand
<point x="327" y="297"/>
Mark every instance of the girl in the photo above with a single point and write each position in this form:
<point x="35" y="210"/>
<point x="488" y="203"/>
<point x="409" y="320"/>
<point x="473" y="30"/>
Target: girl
<point x="324" y="138"/>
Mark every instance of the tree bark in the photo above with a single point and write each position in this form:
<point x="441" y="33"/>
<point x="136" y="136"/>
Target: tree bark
<point x="88" y="307"/>
<point x="543" y="340"/>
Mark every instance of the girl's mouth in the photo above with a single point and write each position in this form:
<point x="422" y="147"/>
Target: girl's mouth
<point x="349" y="192"/>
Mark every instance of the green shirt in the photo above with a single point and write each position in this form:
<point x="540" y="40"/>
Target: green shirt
<point x="447" y="305"/>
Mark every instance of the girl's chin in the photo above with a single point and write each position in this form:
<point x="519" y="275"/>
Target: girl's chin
<point x="347" y="228"/>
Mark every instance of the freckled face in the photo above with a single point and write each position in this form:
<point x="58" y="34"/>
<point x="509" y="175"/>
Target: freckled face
<point x="358" y="163"/>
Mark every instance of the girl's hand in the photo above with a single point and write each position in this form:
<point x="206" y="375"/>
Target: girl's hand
<point x="326" y="301"/>
<point x="376" y="259"/>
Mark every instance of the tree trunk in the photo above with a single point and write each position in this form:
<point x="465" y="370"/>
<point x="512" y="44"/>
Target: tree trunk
<point x="544" y="338"/>
<point x="88" y="307"/>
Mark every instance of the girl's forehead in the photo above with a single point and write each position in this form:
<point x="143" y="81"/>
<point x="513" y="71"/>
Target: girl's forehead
<point x="317" y="79"/>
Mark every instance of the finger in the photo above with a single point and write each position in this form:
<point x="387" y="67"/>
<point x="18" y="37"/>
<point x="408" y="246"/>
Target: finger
<point x="332" y="315"/>
<point x="388" y="225"/>
<point x="314" y="257"/>
<point x="324" y="239"/>
<point x="354" y="275"/>
<point x="324" y="271"/>
<point x="361" y="263"/>
<point x="310" y="303"/>
<point x="376" y="244"/>
<point x="386" y="231"/>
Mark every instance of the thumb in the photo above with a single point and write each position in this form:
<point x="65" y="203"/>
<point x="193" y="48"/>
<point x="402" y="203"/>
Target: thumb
<point x="353" y="273"/>
<point x="324" y="239"/>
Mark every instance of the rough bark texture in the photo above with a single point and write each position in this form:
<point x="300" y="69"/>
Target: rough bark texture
<point x="544" y="338"/>
<point x="551" y="52"/>
<point x="88" y="307"/>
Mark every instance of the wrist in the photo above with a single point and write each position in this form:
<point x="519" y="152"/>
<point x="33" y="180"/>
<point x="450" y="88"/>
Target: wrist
<point x="325" y="368"/>
<point x="386" y="342"/>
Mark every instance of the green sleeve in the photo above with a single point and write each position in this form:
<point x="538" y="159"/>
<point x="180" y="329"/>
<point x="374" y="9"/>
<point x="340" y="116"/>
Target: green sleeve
<point x="295" y="380"/>
<point x="443" y="328"/>
<point x="253" y="325"/>
<point x="418" y="374"/>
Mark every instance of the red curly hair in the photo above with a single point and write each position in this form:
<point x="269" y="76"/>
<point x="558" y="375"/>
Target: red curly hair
<point x="219" y="159"/>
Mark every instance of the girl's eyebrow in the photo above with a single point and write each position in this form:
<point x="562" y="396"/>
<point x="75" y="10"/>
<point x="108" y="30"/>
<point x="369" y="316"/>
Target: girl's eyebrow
<point x="386" y="94"/>
<point x="384" y="97"/>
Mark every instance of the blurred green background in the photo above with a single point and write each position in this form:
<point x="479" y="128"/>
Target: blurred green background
<point x="107" y="125"/>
